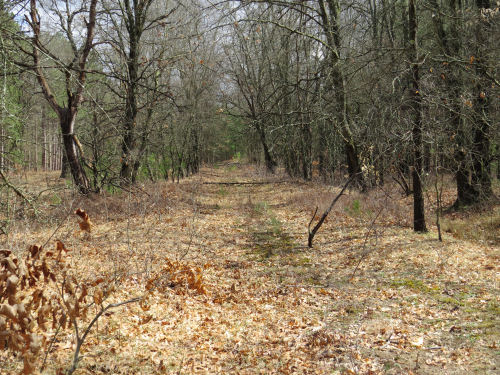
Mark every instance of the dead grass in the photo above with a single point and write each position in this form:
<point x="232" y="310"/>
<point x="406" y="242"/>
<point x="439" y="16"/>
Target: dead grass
<point x="478" y="226"/>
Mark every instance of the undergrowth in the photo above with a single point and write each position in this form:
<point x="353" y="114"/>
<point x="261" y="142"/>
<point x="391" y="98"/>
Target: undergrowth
<point x="482" y="227"/>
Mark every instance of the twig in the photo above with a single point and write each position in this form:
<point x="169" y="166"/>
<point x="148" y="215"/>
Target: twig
<point x="50" y="347"/>
<point x="80" y="340"/>
<point x="365" y="253"/>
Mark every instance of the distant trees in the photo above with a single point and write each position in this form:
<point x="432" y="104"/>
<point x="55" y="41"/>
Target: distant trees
<point x="323" y="88"/>
<point x="382" y="96"/>
<point x="134" y="76"/>
<point x="252" y="54"/>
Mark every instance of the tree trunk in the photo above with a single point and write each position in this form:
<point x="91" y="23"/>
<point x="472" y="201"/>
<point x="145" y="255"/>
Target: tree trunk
<point x="67" y="122"/>
<point x="64" y="164"/>
<point x="44" y="140"/>
<point x="129" y="136"/>
<point x="270" y="163"/>
<point x="306" y="142"/>
<point x="498" y="161"/>
<point x="481" y="148"/>
<point x="418" y="197"/>
<point x="330" y="23"/>
<point x="2" y="143"/>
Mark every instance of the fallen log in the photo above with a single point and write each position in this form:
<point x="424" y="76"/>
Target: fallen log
<point x="244" y="183"/>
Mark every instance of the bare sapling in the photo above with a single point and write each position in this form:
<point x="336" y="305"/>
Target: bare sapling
<point x="318" y="225"/>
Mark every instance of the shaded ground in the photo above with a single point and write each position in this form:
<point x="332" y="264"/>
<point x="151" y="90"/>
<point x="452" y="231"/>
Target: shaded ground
<point x="371" y="296"/>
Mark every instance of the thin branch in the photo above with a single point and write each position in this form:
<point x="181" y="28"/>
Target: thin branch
<point x="16" y="190"/>
<point x="80" y="341"/>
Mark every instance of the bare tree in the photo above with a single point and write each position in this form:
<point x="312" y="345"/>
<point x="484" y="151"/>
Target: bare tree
<point x="249" y="57"/>
<point x="74" y="72"/>
<point x="135" y="23"/>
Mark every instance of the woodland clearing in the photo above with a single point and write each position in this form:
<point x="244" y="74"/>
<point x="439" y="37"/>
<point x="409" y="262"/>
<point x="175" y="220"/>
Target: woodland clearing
<point x="371" y="296"/>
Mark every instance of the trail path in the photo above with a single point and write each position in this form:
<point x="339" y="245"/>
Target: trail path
<point x="273" y="306"/>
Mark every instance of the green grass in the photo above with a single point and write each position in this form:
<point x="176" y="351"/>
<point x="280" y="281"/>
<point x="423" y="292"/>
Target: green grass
<point x="267" y="244"/>
<point x="222" y="192"/>
<point x="416" y="285"/>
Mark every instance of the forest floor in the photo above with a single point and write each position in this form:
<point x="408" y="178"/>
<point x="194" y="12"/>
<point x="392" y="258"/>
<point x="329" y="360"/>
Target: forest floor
<point x="371" y="296"/>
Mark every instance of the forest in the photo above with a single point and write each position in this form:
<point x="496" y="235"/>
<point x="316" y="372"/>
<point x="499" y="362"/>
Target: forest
<point x="249" y="187"/>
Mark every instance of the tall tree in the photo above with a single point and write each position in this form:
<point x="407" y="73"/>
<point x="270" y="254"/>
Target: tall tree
<point x="468" y="82"/>
<point x="418" y="196"/>
<point x="135" y="66"/>
<point x="329" y="11"/>
<point x="74" y="72"/>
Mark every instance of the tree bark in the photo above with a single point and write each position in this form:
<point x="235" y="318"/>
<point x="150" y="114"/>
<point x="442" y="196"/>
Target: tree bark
<point x="134" y="14"/>
<point x="270" y="163"/>
<point x="481" y="174"/>
<point x="64" y="164"/>
<point x="418" y="197"/>
<point x="76" y="168"/>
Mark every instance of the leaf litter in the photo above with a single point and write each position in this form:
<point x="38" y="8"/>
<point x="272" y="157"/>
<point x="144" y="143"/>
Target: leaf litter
<point x="236" y="291"/>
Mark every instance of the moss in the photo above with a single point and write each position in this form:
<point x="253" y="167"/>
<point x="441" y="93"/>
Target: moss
<point x="306" y="262"/>
<point x="417" y="285"/>
<point x="270" y="243"/>
<point x="450" y="300"/>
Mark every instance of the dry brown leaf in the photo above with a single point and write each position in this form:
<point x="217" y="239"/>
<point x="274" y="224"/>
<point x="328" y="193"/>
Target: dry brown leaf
<point x="98" y="295"/>
<point x="9" y="312"/>
<point x="61" y="247"/>
<point x="85" y="223"/>
<point x="35" y="251"/>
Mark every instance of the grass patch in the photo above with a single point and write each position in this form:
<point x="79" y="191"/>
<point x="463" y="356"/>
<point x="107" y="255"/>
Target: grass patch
<point x="354" y="209"/>
<point x="222" y="192"/>
<point x="449" y="300"/>
<point x="475" y="227"/>
<point x="416" y="285"/>
<point x="269" y="243"/>
<point x="55" y="199"/>
<point x="261" y="208"/>
<point x="273" y="240"/>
